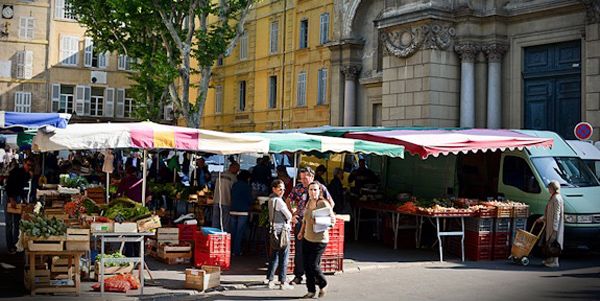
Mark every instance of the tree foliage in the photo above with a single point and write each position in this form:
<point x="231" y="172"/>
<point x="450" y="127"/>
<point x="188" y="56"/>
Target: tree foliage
<point x="165" y="36"/>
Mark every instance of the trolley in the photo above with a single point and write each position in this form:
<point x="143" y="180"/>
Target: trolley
<point x="523" y="243"/>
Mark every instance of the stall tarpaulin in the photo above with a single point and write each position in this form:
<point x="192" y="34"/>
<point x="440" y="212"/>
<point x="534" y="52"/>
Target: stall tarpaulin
<point x="145" y="135"/>
<point x="33" y="120"/>
<point x="425" y="143"/>
<point x="298" y="142"/>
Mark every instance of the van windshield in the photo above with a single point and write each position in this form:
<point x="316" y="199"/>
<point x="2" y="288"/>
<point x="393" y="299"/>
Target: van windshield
<point x="568" y="171"/>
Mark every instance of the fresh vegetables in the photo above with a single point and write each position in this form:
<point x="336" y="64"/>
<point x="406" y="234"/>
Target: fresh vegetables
<point x="126" y="209"/>
<point x="113" y="255"/>
<point x="73" y="182"/>
<point x="42" y="226"/>
<point x="81" y="204"/>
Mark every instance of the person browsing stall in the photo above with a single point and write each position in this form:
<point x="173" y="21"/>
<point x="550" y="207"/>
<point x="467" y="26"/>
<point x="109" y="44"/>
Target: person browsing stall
<point x="554" y="217"/>
<point x="241" y="200"/>
<point x="297" y="202"/>
<point x="17" y="191"/>
<point x="222" y="196"/>
<point x="279" y="217"/>
<point x="362" y="176"/>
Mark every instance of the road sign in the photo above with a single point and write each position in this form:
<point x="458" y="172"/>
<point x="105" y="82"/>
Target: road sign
<point x="583" y="130"/>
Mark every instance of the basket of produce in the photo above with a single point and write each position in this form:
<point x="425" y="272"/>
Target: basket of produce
<point x="504" y="209"/>
<point x="44" y="234"/>
<point x="483" y="211"/>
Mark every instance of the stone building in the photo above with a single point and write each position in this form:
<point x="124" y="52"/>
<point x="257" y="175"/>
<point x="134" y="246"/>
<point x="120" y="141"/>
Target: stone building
<point x="490" y="63"/>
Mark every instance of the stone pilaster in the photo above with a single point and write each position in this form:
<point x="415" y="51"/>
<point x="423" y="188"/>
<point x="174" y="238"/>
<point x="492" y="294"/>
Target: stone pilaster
<point x="351" y="73"/>
<point x="494" y="51"/>
<point x="467" y="52"/>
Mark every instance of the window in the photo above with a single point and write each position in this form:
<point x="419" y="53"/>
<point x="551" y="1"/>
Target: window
<point x="120" y="111"/>
<point x="301" y="90"/>
<point x="244" y="46"/>
<point x="97" y="102"/>
<point x="89" y="59"/>
<point x="26" y="25"/>
<point x="304" y="33"/>
<point x="23" y="102"/>
<point x="129" y="104"/>
<point x="219" y="99"/>
<point x="124" y="62"/>
<point x="24" y="66"/>
<point x="69" y="48"/>
<point x="324" y="38"/>
<point x="64" y="10"/>
<point x="220" y="60"/>
<point x="109" y="102"/>
<point x="274" y="37"/>
<point x="517" y="173"/>
<point x="569" y="172"/>
<point x="62" y="98"/>
<point x="242" y="95"/>
<point x="6" y="68"/>
<point x="272" y="92"/>
<point x="83" y="100"/>
<point x="322" y="87"/>
<point x="168" y="111"/>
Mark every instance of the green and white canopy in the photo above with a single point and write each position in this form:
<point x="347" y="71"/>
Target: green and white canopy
<point x="298" y="142"/>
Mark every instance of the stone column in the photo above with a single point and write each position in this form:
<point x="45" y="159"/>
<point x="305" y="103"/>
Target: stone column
<point x="350" y="74"/>
<point x="467" y="52"/>
<point x="494" y="53"/>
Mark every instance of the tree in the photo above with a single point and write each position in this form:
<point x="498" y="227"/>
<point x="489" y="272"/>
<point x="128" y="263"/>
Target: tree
<point x="165" y="36"/>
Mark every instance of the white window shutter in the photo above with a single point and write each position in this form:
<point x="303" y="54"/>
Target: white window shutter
<point x="88" y="52"/>
<point x="63" y="49"/>
<point x="109" y="102"/>
<point x="87" y="101"/>
<point x="80" y="100"/>
<point x="5" y="68"/>
<point x="122" y="62"/>
<point x="30" y="27"/>
<point x="120" y="103"/>
<point x="168" y="111"/>
<point x="56" y="98"/>
<point x="18" y="100"/>
<point x="27" y="102"/>
<point x="28" y="68"/>
<point x="60" y="9"/>
<point x="103" y="59"/>
<point x="20" y="66"/>
<point x="23" y="28"/>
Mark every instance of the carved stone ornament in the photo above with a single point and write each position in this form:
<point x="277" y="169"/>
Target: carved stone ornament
<point x="592" y="9"/>
<point x="467" y="51"/>
<point x="351" y="71"/>
<point x="407" y="41"/>
<point x="495" y="51"/>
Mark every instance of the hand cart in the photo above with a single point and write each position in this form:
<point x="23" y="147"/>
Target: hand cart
<point x="523" y="244"/>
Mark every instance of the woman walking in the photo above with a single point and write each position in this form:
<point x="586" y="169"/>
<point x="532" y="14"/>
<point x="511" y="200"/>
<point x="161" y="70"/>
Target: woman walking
<point x="314" y="241"/>
<point x="279" y="218"/>
<point x="554" y="216"/>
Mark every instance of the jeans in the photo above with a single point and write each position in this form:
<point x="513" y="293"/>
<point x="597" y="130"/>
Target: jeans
<point x="238" y="225"/>
<point x="312" y="265"/>
<point x="216" y="222"/>
<point x="12" y="228"/>
<point x="278" y="258"/>
<point x="298" y="258"/>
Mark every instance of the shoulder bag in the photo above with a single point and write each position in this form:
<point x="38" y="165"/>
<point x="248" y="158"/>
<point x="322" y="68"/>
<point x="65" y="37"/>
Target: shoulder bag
<point x="277" y="241"/>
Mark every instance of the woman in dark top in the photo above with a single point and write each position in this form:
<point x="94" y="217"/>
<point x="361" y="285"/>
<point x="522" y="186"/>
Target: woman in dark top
<point x="241" y="200"/>
<point x="336" y="189"/>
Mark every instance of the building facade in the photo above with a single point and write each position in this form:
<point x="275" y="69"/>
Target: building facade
<point x="47" y="64"/>
<point x="279" y="74"/>
<point x="490" y="64"/>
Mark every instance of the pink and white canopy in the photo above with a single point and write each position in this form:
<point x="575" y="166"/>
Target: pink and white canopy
<point x="145" y="135"/>
<point x="425" y="143"/>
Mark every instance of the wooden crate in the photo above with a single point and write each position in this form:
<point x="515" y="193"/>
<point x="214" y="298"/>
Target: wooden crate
<point x="58" y="213"/>
<point x="40" y="278"/>
<point x="96" y="194"/>
<point x="101" y="227"/>
<point x="51" y="243"/>
<point x="175" y="254"/>
<point x="167" y="236"/>
<point x="147" y="224"/>
<point x="125" y="227"/>
<point x="78" y="239"/>
<point x="18" y="209"/>
<point x="62" y="265"/>
<point x="202" y="279"/>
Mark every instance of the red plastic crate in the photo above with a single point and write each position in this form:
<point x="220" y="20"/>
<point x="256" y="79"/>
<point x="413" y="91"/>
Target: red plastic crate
<point x="502" y="239"/>
<point x="212" y="243"/>
<point x="329" y="264"/>
<point x="186" y="232"/>
<point x="335" y="247"/>
<point x="477" y="253"/>
<point x="223" y="259"/>
<point x="500" y="252"/>
<point x="478" y="238"/>
<point x="337" y="230"/>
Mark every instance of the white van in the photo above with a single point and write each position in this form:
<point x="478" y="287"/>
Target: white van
<point x="589" y="153"/>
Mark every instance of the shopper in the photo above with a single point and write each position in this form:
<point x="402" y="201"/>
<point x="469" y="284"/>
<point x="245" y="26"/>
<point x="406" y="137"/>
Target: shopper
<point x="17" y="191"/>
<point x="297" y="202"/>
<point x="554" y="217"/>
<point x="336" y="188"/>
<point x="319" y="173"/>
<point x="279" y="219"/>
<point x="241" y="200"/>
<point x="314" y="241"/>
<point x="222" y="197"/>
<point x="201" y="174"/>
<point x="287" y="180"/>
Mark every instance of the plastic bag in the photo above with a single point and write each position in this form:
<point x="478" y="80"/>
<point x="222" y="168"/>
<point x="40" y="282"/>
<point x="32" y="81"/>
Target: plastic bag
<point x="119" y="283"/>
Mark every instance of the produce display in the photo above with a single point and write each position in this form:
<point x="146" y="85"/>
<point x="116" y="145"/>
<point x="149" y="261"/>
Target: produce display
<point x="113" y="255"/>
<point x="73" y="182"/>
<point x="81" y="204"/>
<point x="125" y="209"/>
<point x="40" y="226"/>
<point x="119" y="283"/>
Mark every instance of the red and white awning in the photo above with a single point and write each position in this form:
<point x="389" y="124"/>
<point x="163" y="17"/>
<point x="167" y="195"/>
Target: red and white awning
<point x="425" y="143"/>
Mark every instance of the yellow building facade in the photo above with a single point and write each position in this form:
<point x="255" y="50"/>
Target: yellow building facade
<point x="278" y="75"/>
<point x="47" y="64"/>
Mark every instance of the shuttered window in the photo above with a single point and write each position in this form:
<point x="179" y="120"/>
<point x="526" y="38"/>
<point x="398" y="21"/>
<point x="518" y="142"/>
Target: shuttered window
<point x="24" y="66"/>
<point x="120" y="108"/>
<point x="274" y="37"/>
<point x="324" y="36"/>
<point x="69" y="50"/>
<point x="23" y="102"/>
<point x="109" y="102"/>
<point x="26" y="28"/>
<point x="64" y="10"/>
<point x="303" y="34"/>
<point x="244" y="46"/>
<point x="301" y="90"/>
<point x="322" y="87"/>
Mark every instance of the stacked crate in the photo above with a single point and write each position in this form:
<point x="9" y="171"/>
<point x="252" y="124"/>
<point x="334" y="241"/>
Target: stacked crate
<point x="212" y="249"/>
<point x="186" y="232"/>
<point x="479" y="234"/>
<point x="501" y="243"/>
<point x="333" y="258"/>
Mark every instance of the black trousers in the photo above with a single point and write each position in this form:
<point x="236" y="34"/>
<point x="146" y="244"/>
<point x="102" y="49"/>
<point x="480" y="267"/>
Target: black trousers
<point x="312" y="264"/>
<point x="298" y="256"/>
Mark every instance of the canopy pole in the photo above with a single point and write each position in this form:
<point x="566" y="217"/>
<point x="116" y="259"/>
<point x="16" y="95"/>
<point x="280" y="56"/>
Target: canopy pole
<point x="107" y="187"/>
<point x="295" y="167"/>
<point x="145" y="154"/>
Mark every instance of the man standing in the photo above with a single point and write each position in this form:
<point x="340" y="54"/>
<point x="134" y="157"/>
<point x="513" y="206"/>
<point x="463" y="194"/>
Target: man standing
<point x="296" y="201"/>
<point x="361" y="176"/>
<point x="17" y="191"/>
<point x="222" y="197"/>
<point x="201" y="174"/>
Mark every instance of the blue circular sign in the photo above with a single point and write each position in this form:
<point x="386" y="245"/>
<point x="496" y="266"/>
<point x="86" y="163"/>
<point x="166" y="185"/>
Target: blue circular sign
<point x="583" y="130"/>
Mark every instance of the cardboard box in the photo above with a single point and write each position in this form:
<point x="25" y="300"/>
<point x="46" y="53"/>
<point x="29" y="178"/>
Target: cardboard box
<point x="126" y="227"/>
